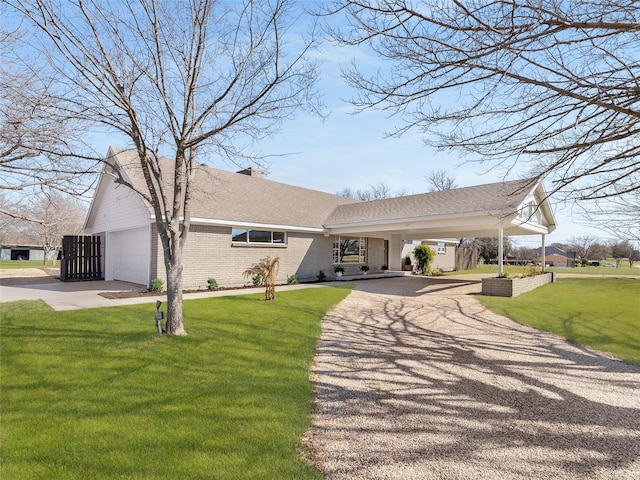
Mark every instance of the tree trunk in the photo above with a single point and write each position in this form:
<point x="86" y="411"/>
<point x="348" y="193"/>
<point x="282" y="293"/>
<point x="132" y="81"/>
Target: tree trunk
<point x="174" y="294"/>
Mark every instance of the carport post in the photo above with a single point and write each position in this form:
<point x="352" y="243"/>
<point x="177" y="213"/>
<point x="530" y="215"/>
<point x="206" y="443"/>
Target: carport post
<point x="544" y="253"/>
<point x="500" y="248"/>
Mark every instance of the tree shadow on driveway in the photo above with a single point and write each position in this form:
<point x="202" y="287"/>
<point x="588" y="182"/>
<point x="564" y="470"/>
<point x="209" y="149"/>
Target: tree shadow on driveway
<point x="435" y="386"/>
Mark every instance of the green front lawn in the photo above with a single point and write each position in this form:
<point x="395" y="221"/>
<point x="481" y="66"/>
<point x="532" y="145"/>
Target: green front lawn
<point x="99" y="394"/>
<point x="11" y="264"/>
<point x="601" y="313"/>
<point x="519" y="269"/>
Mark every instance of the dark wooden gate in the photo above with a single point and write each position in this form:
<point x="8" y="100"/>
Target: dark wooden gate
<point x="81" y="259"/>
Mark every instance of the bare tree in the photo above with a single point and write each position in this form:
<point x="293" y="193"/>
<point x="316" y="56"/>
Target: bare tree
<point x="524" y="254"/>
<point x="620" y="216"/>
<point x="584" y="246"/>
<point x="53" y="216"/>
<point x="378" y="191"/>
<point x="439" y="180"/>
<point x="38" y="150"/>
<point x="600" y="251"/>
<point x="624" y="249"/>
<point x="551" y="82"/>
<point x="45" y="220"/>
<point x="176" y="79"/>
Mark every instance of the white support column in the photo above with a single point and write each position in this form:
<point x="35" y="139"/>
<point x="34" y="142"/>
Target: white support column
<point x="395" y="252"/>
<point x="544" y="253"/>
<point x="500" y="249"/>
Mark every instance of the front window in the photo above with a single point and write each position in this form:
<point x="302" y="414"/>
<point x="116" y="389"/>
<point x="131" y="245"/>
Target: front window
<point x="242" y="235"/>
<point x="441" y="248"/>
<point x="349" y="250"/>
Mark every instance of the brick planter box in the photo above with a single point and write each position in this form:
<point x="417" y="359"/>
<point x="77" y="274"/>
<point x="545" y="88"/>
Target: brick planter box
<point x="512" y="287"/>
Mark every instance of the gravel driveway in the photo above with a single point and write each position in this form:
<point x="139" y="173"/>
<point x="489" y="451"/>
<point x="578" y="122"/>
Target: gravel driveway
<point x="416" y="380"/>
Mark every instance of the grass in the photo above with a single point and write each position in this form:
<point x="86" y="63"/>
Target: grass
<point x="622" y="270"/>
<point x="601" y="313"/>
<point x="98" y="394"/>
<point x="519" y="269"/>
<point x="16" y="264"/>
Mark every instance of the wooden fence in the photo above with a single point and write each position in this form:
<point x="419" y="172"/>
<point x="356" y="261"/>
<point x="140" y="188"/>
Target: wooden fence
<point x="81" y="259"/>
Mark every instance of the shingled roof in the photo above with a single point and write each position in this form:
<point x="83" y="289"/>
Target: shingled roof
<point x="501" y="198"/>
<point x="227" y="198"/>
<point x="220" y="195"/>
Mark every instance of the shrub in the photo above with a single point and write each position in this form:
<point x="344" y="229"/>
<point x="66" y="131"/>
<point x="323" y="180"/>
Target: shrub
<point x="321" y="276"/>
<point x="533" y="271"/>
<point x="212" y="283"/>
<point x="157" y="285"/>
<point x="407" y="260"/>
<point x="291" y="279"/>
<point x="384" y="268"/>
<point x="424" y="256"/>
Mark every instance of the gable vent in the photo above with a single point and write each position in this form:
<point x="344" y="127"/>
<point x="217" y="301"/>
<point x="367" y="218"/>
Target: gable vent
<point x="252" y="172"/>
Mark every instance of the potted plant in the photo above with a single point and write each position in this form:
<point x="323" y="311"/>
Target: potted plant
<point x="338" y="270"/>
<point x="407" y="267"/>
<point x="364" y="269"/>
<point x="384" y="268"/>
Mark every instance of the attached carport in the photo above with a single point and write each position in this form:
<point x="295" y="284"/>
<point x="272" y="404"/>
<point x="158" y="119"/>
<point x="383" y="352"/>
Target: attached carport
<point x="513" y="208"/>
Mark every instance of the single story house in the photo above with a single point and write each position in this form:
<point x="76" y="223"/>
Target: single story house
<point x="554" y="256"/>
<point x="239" y="217"/>
<point x="444" y="249"/>
<point x="554" y="260"/>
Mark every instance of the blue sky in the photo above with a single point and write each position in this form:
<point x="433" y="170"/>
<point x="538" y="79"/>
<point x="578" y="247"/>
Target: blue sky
<point x="351" y="150"/>
<point x="346" y="150"/>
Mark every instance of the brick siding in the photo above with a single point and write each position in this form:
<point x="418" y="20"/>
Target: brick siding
<point x="209" y="253"/>
<point x="512" y="287"/>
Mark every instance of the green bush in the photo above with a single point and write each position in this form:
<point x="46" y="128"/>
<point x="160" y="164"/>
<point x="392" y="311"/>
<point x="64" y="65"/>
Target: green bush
<point x="424" y="256"/>
<point x="321" y="276"/>
<point x="291" y="279"/>
<point x="212" y="283"/>
<point x="157" y="285"/>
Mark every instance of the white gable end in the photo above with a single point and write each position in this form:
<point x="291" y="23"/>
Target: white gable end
<point x="115" y="207"/>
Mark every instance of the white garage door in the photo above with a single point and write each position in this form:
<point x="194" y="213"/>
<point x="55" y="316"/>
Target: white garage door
<point x="130" y="254"/>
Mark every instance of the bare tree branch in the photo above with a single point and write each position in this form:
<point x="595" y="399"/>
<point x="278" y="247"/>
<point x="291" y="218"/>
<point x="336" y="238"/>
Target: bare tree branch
<point x="548" y="82"/>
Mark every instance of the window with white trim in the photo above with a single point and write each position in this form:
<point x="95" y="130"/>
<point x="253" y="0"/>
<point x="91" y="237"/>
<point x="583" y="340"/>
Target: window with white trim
<point x="531" y="212"/>
<point x="349" y="250"/>
<point x="252" y="236"/>
<point x="442" y="248"/>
